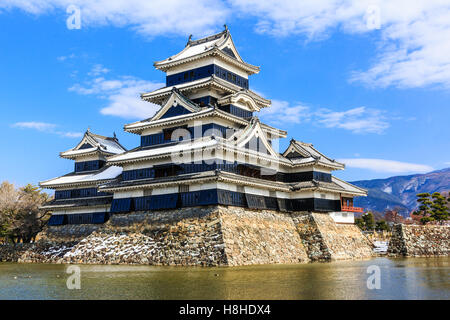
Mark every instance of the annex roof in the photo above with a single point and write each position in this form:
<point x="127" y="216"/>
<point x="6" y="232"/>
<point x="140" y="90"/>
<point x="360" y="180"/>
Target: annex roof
<point x="301" y="153"/>
<point x="336" y="185"/>
<point x="92" y="143"/>
<point x="80" y="178"/>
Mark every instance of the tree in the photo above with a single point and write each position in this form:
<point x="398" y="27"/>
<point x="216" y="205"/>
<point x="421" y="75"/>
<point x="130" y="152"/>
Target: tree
<point x="21" y="216"/>
<point x="360" y="223"/>
<point x="393" y="215"/>
<point x="424" y="208"/>
<point x="369" y="221"/>
<point x="381" y="225"/>
<point x="9" y="198"/>
<point x="439" y="210"/>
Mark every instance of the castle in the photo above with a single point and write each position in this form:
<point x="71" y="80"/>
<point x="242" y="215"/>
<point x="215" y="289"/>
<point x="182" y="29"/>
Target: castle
<point x="204" y="148"/>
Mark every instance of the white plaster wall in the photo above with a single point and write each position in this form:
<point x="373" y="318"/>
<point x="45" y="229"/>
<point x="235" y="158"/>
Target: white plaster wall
<point x="343" y="217"/>
<point x="128" y="194"/>
<point x="90" y="158"/>
<point x="82" y="210"/>
<point x="167" y="190"/>
<point x="204" y="62"/>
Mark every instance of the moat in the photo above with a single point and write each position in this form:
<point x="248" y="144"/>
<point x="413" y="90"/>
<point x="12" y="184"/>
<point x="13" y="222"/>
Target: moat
<point x="401" y="278"/>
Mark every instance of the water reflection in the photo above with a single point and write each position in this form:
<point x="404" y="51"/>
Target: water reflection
<point x="413" y="278"/>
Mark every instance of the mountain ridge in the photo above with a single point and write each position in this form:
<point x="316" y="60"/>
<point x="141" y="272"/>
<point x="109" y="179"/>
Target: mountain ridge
<point x="401" y="191"/>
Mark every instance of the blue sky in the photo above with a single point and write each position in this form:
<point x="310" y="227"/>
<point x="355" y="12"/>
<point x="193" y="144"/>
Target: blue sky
<point x="373" y="96"/>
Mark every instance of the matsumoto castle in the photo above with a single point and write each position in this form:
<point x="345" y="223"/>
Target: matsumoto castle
<point x="205" y="146"/>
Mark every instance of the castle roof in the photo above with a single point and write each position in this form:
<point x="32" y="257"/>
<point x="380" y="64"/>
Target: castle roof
<point x="160" y="95"/>
<point x="92" y="144"/>
<point x="301" y="153"/>
<point x="240" y="143"/>
<point x="219" y="45"/>
<point x="336" y="185"/>
<point x="82" y="178"/>
<point x="78" y="203"/>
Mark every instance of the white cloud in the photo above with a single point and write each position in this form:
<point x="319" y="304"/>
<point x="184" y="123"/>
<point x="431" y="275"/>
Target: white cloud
<point x="45" y="127"/>
<point x="122" y="94"/>
<point x="281" y="112"/>
<point x="97" y="70"/>
<point x="150" y="18"/>
<point x="356" y="120"/>
<point x="414" y="42"/>
<point x="390" y="166"/>
<point x="64" y="58"/>
<point x="40" y="126"/>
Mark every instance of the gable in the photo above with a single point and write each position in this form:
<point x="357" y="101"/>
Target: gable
<point x="174" y="111"/>
<point x="294" y="151"/>
<point x="229" y="52"/>
<point x="86" y="146"/>
<point x="294" y="154"/>
<point x="175" y="105"/>
<point x="253" y="138"/>
<point x="229" y="48"/>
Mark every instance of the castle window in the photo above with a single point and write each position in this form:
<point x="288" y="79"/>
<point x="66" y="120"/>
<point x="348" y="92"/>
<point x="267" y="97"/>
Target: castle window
<point x="186" y="75"/>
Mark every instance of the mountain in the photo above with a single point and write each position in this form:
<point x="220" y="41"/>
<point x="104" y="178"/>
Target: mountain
<point x="401" y="191"/>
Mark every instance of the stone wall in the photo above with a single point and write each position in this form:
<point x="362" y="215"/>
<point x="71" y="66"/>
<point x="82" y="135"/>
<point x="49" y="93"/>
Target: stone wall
<point x="199" y="236"/>
<point x="12" y="252"/>
<point x="68" y="233"/>
<point x="260" y="237"/>
<point x="325" y="240"/>
<point x="190" y="236"/>
<point x="418" y="241"/>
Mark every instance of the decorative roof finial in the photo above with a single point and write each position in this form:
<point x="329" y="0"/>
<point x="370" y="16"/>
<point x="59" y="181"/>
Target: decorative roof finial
<point x="88" y="129"/>
<point x="190" y="39"/>
<point x="226" y="27"/>
<point x="114" y="135"/>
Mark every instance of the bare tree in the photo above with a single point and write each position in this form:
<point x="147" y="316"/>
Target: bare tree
<point x="21" y="217"/>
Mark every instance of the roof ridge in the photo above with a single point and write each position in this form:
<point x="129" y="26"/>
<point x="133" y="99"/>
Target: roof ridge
<point x="206" y="39"/>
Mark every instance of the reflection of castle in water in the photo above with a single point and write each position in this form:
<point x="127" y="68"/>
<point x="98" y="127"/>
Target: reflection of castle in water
<point x="205" y="146"/>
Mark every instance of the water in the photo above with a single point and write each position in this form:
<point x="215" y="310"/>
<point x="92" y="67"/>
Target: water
<point x="411" y="278"/>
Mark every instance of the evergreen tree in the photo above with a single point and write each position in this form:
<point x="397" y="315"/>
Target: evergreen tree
<point x="369" y="221"/>
<point x="439" y="210"/>
<point x="381" y="225"/>
<point x="360" y="223"/>
<point x="424" y="208"/>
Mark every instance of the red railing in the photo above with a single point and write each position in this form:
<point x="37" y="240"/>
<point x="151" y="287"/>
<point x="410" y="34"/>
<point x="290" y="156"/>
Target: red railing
<point x="352" y="209"/>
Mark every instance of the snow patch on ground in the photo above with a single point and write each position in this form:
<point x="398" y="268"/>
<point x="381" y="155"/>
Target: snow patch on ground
<point x="388" y="189"/>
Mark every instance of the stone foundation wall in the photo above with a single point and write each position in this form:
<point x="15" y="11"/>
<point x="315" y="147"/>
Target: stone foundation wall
<point x="419" y="241"/>
<point x="189" y="236"/>
<point x="199" y="236"/>
<point x="325" y="240"/>
<point x="260" y="237"/>
<point x="12" y="252"/>
<point x="68" y="233"/>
